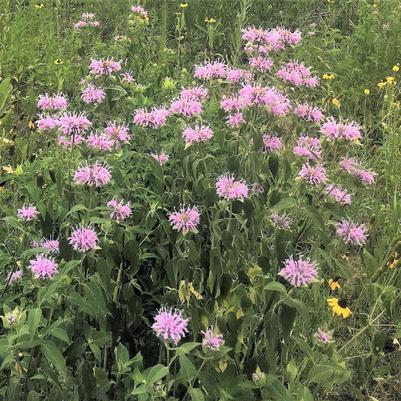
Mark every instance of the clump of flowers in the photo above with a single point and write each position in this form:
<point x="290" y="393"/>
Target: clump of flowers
<point x="308" y="147"/>
<point x="198" y="93"/>
<point x="260" y="63"/>
<point x="100" y="142"/>
<point x="87" y="19"/>
<point x="338" y="194"/>
<point x="211" y="339"/>
<point x="187" y="107"/>
<point x="308" y="112"/>
<point x="116" y="132"/>
<point x="281" y="222"/>
<point x="313" y="175"/>
<point x="297" y="74"/>
<point x="272" y="143"/>
<point x="323" y="337"/>
<point x="229" y="188"/>
<point x="96" y="175"/>
<point x="155" y="118"/>
<point x="351" y="233"/>
<point x="162" y="158"/>
<point x="28" y="213"/>
<point x="43" y="267"/>
<point x="212" y="70"/>
<point x="72" y="123"/>
<point x="93" y="94"/>
<point x="14" y="277"/>
<point x="55" y="103"/>
<point x="197" y="134"/>
<point x="170" y="325"/>
<point x="351" y="166"/>
<point x="119" y="210"/>
<point x="185" y="220"/>
<point x="46" y="123"/>
<point x="104" y="67"/>
<point x="140" y="11"/>
<point x="83" y="239"/>
<point x="299" y="272"/>
<point x="334" y="130"/>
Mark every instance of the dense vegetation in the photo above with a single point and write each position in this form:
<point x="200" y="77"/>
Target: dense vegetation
<point x="200" y="200"/>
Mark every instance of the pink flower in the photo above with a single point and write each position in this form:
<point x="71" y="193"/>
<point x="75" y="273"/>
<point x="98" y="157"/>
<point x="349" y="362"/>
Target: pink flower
<point x="88" y="16"/>
<point x="100" y="142"/>
<point x="228" y="188"/>
<point x="308" y="112"/>
<point x="46" y="123"/>
<point x="96" y="175"/>
<point x="72" y="123"/>
<point x="338" y="194"/>
<point x="43" y="267"/>
<point x="119" y="133"/>
<point x="162" y="158"/>
<point x="119" y="210"/>
<point x="51" y="245"/>
<point x="139" y="10"/>
<point x="127" y="77"/>
<point x="260" y="63"/>
<point x="211" y="70"/>
<point x="170" y="325"/>
<point x="14" y="277"/>
<point x="235" y="120"/>
<point x="366" y="177"/>
<point x="198" y="93"/>
<point x="155" y="118"/>
<point x="28" y="213"/>
<point x="55" y="102"/>
<point x="308" y="147"/>
<point x="351" y="166"/>
<point x="272" y="143"/>
<point x="281" y="222"/>
<point x="297" y="74"/>
<point x="323" y="336"/>
<point x="211" y="339"/>
<point x="93" y="94"/>
<point x="83" y="239"/>
<point x="238" y="75"/>
<point x="299" y="272"/>
<point x="69" y="142"/>
<point x="233" y="103"/>
<point x="104" y="67"/>
<point x="351" y="233"/>
<point x="185" y="220"/>
<point x="197" y="134"/>
<point x="186" y="107"/>
<point x="313" y="175"/>
<point x="348" y="131"/>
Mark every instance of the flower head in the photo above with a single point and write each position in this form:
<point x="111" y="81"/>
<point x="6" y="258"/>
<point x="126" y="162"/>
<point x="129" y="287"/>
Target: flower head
<point x="162" y="158"/>
<point x="281" y="222"/>
<point x="299" y="272"/>
<point x="185" y="220"/>
<point x="14" y="276"/>
<point x="334" y="284"/>
<point x="93" y="94"/>
<point x="323" y="336"/>
<point x="272" y="143"/>
<point x="211" y="339"/>
<point x="96" y="175"/>
<point x="104" y="67"/>
<point x="229" y="188"/>
<point x="170" y="325"/>
<point x="83" y="239"/>
<point x="313" y="175"/>
<point x="338" y="194"/>
<point x="119" y="210"/>
<point x="351" y="233"/>
<point x="197" y="134"/>
<point x="43" y="267"/>
<point x="308" y="147"/>
<point x="339" y="307"/>
<point x="28" y="213"/>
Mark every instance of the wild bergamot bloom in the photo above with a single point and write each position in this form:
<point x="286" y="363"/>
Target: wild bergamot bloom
<point x="339" y="307"/>
<point x="329" y="76"/>
<point x="170" y="325"/>
<point x="334" y="284"/>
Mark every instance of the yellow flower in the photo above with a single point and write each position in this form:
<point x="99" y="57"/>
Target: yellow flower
<point x="210" y="20"/>
<point x="328" y="76"/>
<point x="177" y="14"/>
<point x="39" y="5"/>
<point x="381" y="84"/>
<point x="58" y="61"/>
<point x="31" y="125"/>
<point x="390" y="80"/>
<point x="396" y="68"/>
<point x="366" y="91"/>
<point x="339" y="307"/>
<point x="334" y="284"/>
<point x="393" y="262"/>
<point x="336" y="102"/>
<point x="8" y="169"/>
<point x="184" y="5"/>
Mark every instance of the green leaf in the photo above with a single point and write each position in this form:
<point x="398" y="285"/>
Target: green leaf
<point x="284" y="204"/>
<point x="34" y="318"/>
<point x="276" y="286"/>
<point x="5" y="91"/>
<point x="196" y="394"/>
<point x="188" y="370"/>
<point x="156" y="373"/>
<point x="186" y="348"/>
<point x="55" y="357"/>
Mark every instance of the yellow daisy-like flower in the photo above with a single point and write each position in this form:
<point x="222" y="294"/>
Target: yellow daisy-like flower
<point x="339" y="307"/>
<point x="366" y="91"/>
<point x="210" y="21"/>
<point x="334" y="284"/>
<point x="393" y="262"/>
<point x="58" y="61"/>
<point x="390" y="80"/>
<point x="39" y="5"/>
<point x="336" y="102"/>
<point x="396" y="68"/>
<point x="184" y="5"/>
<point x="381" y="84"/>
<point x="329" y="76"/>
<point x="31" y="125"/>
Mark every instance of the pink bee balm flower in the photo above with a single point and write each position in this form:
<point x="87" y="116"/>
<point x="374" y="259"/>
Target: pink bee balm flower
<point x="43" y="267"/>
<point x="297" y="74"/>
<point x="185" y="220"/>
<point x="170" y="325"/>
<point x="186" y="107"/>
<point x="228" y="188"/>
<point x="119" y="133"/>
<point x="234" y="104"/>
<point x="93" y="94"/>
<point x="211" y="339"/>
<point x="333" y="130"/>
<point x="119" y="210"/>
<point x="281" y="222"/>
<point x="272" y="143"/>
<point x="99" y="142"/>
<point x="235" y="120"/>
<point x="96" y="175"/>
<point x="104" y="67"/>
<point x="262" y="64"/>
<point x="351" y="233"/>
<point x="162" y="158"/>
<point x="351" y="166"/>
<point x="127" y="77"/>
<point x="238" y="75"/>
<point x="308" y="147"/>
<point x="69" y="142"/>
<point x="338" y="194"/>
<point x="198" y="93"/>
<point x="71" y="124"/>
<point x="197" y="134"/>
<point x="83" y="239"/>
<point x="308" y="112"/>
<point x="51" y="245"/>
<point x="323" y="337"/>
<point x="55" y="102"/>
<point x="14" y="277"/>
<point x="313" y="175"/>
<point x="366" y="177"/>
<point x="211" y="70"/>
<point x="46" y="123"/>
<point x="139" y="10"/>
<point x="299" y="272"/>
<point x="155" y="118"/>
<point x="28" y="213"/>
